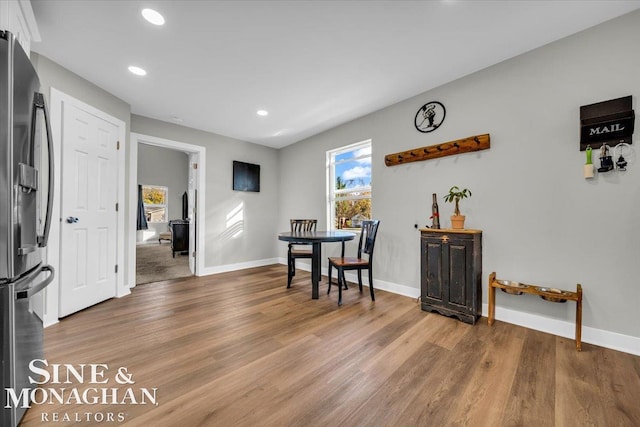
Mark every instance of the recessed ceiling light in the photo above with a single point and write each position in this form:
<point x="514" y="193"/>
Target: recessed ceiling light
<point x="153" y="16"/>
<point x="137" y="70"/>
<point x="262" y="112"/>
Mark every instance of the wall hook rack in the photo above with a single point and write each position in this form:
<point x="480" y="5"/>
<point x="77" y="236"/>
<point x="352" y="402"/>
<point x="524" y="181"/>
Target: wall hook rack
<point x="459" y="146"/>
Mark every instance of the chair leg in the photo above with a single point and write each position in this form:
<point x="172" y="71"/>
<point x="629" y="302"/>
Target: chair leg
<point x="344" y="281"/>
<point x="290" y="266"/>
<point x="329" y="287"/>
<point x="340" y="274"/>
<point x="360" y="279"/>
<point x="373" y="297"/>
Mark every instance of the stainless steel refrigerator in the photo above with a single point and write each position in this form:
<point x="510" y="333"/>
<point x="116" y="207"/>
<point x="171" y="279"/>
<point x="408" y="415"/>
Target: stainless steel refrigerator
<point x="26" y="192"/>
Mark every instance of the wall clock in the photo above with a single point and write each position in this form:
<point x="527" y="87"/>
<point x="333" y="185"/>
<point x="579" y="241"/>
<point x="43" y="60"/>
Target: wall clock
<point x="430" y="116"/>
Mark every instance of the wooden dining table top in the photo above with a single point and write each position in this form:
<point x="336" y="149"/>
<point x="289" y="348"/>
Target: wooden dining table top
<point x="317" y="236"/>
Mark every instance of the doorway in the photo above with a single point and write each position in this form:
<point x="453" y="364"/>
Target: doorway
<point x="196" y="156"/>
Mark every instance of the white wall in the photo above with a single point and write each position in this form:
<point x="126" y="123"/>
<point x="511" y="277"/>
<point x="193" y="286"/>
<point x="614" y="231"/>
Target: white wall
<point x="543" y="223"/>
<point x="167" y="168"/>
<point x="234" y="238"/>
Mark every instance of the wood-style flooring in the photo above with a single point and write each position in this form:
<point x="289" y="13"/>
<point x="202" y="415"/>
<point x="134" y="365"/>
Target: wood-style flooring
<point x="240" y="349"/>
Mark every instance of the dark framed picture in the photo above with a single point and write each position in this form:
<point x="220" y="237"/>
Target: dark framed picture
<point x="246" y="176"/>
<point x="430" y="116"/>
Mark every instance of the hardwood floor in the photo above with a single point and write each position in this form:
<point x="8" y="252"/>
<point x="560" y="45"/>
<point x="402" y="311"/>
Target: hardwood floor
<point x="239" y="349"/>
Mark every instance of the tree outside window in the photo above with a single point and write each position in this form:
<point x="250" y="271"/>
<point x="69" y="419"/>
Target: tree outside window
<point x="349" y="179"/>
<point x="154" y="198"/>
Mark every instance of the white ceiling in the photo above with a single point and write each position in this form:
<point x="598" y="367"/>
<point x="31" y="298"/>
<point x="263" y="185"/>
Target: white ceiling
<point x="312" y="64"/>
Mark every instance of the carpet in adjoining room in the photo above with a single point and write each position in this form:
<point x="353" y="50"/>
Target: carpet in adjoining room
<point x="154" y="263"/>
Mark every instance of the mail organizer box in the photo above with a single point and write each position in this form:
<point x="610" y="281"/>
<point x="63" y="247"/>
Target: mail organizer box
<point x="609" y="122"/>
<point x="451" y="272"/>
<point x="547" y="293"/>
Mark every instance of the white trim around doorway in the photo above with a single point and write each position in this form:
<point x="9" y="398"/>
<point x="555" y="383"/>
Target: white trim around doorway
<point x="201" y="156"/>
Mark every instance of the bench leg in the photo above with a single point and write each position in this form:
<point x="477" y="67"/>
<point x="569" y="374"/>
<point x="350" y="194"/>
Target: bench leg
<point x="492" y="302"/>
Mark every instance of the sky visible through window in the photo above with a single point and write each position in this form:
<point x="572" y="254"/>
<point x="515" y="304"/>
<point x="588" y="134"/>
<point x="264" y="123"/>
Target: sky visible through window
<point x="352" y="171"/>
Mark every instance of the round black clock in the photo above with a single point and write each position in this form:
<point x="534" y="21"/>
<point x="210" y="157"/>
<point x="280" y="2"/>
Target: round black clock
<point x="430" y="116"/>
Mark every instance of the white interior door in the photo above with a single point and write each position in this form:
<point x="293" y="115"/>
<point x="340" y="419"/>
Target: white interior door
<point x="88" y="236"/>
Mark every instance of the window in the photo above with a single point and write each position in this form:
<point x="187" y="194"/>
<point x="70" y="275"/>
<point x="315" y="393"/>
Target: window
<point x="349" y="185"/>
<point x="154" y="199"/>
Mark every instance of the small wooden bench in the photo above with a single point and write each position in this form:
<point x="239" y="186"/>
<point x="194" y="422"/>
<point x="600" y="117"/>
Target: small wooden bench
<point x="165" y="235"/>
<point x="546" y="292"/>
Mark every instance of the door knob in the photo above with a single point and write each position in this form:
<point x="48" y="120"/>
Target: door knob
<point x="72" y="219"/>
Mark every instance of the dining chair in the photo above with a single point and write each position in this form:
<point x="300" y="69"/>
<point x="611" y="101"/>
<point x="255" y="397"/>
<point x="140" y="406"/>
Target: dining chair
<point x="295" y="252"/>
<point x="365" y="246"/>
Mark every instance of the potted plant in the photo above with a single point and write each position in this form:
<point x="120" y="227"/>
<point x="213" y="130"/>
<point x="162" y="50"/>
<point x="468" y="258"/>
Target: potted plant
<point x="455" y="195"/>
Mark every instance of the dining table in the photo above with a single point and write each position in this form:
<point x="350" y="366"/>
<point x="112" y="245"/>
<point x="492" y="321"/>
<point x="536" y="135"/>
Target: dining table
<point x="316" y="239"/>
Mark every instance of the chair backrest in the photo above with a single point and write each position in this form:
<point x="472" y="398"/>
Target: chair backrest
<point x="301" y="225"/>
<point x="368" y="237"/>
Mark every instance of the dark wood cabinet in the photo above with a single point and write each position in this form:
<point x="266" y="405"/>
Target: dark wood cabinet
<point x="179" y="236"/>
<point x="451" y="272"/>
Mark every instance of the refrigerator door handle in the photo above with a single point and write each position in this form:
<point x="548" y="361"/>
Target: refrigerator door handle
<point x="24" y="250"/>
<point x="32" y="290"/>
<point x="39" y="102"/>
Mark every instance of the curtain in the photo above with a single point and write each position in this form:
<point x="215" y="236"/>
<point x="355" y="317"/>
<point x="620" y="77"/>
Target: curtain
<point x="142" y="219"/>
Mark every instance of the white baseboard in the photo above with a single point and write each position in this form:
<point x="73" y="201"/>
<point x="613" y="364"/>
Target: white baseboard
<point x="123" y="292"/>
<point x="49" y="323"/>
<point x="238" y="266"/>
<point x="562" y="328"/>
<point x="406" y="291"/>
<point x="612" y="340"/>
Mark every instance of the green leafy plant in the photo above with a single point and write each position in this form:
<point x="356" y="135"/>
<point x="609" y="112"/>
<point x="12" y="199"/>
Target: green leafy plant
<point x="455" y="195"/>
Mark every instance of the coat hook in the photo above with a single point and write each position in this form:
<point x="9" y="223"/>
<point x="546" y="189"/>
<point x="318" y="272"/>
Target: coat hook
<point x="455" y="144"/>
<point x="475" y="138"/>
<point x="439" y="148"/>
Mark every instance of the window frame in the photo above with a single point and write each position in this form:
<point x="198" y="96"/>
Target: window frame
<point x="165" y="205"/>
<point x="331" y="179"/>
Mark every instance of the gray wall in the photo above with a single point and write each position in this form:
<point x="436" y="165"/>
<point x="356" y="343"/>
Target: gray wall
<point x="259" y="210"/>
<point x="51" y="76"/>
<point x="543" y="223"/>
<point x="167" y="168"/>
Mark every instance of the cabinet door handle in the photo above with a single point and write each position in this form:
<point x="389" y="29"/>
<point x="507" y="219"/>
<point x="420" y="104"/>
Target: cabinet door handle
<point x="445" y="239"/>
